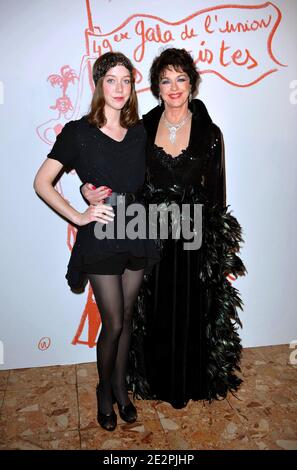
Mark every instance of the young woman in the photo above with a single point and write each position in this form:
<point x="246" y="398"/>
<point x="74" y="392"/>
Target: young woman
<point x="107" y="149"/>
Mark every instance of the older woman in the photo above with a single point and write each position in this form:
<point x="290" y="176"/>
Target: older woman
<point x="187" y="307"/>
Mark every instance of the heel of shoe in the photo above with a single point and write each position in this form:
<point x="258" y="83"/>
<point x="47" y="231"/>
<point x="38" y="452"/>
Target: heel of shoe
<point x="128" y="413"/>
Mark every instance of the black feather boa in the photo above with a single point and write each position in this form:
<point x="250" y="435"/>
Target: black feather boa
<point x="221" y="239"/>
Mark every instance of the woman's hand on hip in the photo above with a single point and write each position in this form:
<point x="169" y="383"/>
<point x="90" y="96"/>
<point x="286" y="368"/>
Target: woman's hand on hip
<point x="99" y="213"/>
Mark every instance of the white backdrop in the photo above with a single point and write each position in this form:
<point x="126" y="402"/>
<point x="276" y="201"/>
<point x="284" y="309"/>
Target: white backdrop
<point x="46" y="50"/>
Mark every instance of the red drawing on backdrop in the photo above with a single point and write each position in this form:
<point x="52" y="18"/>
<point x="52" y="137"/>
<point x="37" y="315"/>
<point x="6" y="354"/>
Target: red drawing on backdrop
<point x="48" y="132"/>
<point x="91" y="314"/>
<point x="231" y="41"/>
<point x="92" y="317"/>
<point x="220" y="39"/>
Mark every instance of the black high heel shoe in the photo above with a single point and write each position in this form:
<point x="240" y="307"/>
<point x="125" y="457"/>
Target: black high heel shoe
<point x="128" y="413"/>
<point x="106" y="421"/>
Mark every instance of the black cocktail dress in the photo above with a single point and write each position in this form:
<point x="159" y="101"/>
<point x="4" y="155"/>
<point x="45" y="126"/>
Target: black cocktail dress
<point x="100" y="160"/>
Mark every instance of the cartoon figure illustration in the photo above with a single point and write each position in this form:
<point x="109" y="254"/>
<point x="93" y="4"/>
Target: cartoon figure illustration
<point x="49" y="130"/>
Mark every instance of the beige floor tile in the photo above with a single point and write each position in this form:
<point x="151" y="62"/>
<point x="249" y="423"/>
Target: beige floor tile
<point x="4" y="374"/>
<point x="196" y="407"/>
<point x="274" y="375"/>
<point x="87" y="406"/>
<point x="146" y="410"/>
<point x="166" y="410"/>
<point x="41" y="377"/>
<point x="67" y="440"/>
<point x="55" y="408"/>
<point x="148" y="435"/>
<point x="40" y="410"/>
<point x="1" y="399"/>
<point x="269" y="427"/>
<point x="259" y="390"/>
<point x="274" y="349"/>
<point x="209" y="430"/>
<point x="247" y="395"/>
<point x="87" y="373"/>
<point x="251" y="355"/>
<point x="222" y="406"/>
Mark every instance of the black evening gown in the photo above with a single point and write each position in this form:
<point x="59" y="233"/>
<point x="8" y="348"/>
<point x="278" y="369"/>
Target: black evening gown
<point x="185" y="342"/>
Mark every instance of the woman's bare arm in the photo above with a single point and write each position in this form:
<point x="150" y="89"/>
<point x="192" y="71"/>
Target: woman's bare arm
<point x="43" y="185"/>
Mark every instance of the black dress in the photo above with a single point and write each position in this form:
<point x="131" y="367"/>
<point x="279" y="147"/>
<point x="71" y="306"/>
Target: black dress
<point x="185" y="342"/>
<point x="100" y="160"/>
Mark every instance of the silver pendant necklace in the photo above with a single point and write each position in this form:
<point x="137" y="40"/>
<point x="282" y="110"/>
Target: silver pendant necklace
<point x="173" y="128"/>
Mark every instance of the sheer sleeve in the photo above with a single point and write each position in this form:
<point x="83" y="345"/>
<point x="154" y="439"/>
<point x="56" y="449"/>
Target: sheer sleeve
<point x="215" y="175"/>
<point x="65" y="149"/>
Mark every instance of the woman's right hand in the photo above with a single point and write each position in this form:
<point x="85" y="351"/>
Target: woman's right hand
<point x="100" y="213"/>
<point x="95" y="195"/>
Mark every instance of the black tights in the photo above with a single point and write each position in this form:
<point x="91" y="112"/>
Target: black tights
<point x="115" y="296"/>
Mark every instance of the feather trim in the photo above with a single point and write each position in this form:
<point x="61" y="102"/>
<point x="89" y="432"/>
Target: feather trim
<point x="221" y="239"/>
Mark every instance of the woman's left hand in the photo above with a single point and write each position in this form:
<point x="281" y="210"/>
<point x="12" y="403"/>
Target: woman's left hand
<point x="95" y="195"/>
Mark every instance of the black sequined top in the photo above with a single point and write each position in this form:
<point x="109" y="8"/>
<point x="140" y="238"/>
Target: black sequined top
<point x="199" y="169"/>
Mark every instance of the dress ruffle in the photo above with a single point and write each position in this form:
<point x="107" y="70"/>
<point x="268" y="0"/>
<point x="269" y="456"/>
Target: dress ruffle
<point x="88" y="250"/>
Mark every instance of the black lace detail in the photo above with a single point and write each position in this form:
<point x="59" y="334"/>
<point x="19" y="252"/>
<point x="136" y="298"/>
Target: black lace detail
<point x="168" y="160"/>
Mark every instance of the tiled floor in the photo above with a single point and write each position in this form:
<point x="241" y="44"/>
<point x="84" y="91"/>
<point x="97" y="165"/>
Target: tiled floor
<point x="55" y="408"/>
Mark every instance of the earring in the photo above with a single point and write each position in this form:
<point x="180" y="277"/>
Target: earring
<point x="160" y="100"/>
<point x="190" y="97"/>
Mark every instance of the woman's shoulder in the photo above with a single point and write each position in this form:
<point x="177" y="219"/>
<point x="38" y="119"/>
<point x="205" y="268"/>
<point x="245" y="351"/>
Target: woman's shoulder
<point x="152" y="115"/>
<point x="215" y="130"/>
<point x="83" y="123"/>
<point x="138" y="125"/>
<point x="75" y="124"/>
<point x="201" y="117"/>
<point x="138" y="129"/>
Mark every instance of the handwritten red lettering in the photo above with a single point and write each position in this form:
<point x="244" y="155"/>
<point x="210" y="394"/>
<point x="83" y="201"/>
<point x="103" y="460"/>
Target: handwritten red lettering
<point x="119" y="38"/>
<point x="212" y="26"/>
<point x="245" y="27"/>
<point x="224" y="48"/>
<point x="101" y="49"/>
<point x="207" y="23"/>
<point x="236" y="56"/>
<point x="149" y="35"/>
<point x="204" y="55"/>
<point x="188" y="34"/>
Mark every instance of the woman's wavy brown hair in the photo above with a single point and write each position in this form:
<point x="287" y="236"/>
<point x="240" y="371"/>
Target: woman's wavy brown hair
<point x="129" y="114"/>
